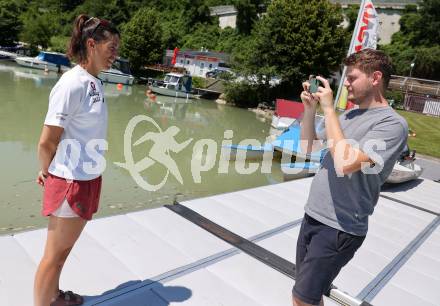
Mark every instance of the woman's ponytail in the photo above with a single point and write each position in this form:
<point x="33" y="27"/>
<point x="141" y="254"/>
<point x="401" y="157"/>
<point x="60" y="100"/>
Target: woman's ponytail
<point x="86" y="27"/>
<point x="77" y="49"/>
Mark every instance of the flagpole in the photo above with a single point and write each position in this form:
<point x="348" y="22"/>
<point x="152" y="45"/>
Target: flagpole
<point x="350" y="51"/>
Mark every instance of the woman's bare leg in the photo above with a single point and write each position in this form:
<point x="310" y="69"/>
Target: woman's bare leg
<point x="62" y="234"/>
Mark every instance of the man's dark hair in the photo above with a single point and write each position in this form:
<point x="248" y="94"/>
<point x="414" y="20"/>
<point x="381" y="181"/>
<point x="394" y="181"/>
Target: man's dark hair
<point x="369" y="61"/>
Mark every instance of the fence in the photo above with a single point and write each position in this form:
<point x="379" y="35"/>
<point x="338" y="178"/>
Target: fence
<point x="422" y="104"/>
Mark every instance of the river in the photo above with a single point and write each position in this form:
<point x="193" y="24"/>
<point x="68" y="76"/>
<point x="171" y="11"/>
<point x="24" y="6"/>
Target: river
<point x="24" y="96"/>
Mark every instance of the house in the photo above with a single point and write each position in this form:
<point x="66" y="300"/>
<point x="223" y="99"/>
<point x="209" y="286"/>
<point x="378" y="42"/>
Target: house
<point x="197" y="63"/>
<point x="227" y="15"/>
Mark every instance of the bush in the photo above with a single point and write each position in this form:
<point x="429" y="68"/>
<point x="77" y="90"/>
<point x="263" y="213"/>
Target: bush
<point x="396" y="97"/>
<point x="198" y="82"/>
<point x="242" y="94"/>
<point x="59" y="43"/>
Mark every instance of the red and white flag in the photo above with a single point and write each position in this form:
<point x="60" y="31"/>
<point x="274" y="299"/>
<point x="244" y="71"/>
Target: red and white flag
<point x="366" y="36"/>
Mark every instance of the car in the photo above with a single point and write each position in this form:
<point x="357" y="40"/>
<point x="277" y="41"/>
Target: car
<point x="220" y="73"/>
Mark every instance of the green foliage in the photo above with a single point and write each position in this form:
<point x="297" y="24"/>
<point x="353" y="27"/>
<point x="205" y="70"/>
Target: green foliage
<point x="141" y="39"/>
<point x="39" y="26"/>
<point x="10" y="24"/>
<point x="417" y="41"/>
<point x="247" y="11"/>
<point x="203" y="35"/>
<point x="427" y="28"/>
<point x="297" y="38"/>
<point x="116" y="11"/>
<point x="242" y="94"/>
<point x="229" y="40"/>
<point x="351" y="13"/>
<point x="174" y="28"/>
<point x="396" y="96"/>
<point x="59" y="43"/>
<point x="198" y="82"/>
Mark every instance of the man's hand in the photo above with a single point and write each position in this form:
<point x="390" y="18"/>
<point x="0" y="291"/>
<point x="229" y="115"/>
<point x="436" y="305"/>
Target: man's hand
<point x="324" y="95"/>
<point x="41" y="178"/>
<point x="310" y="103"/>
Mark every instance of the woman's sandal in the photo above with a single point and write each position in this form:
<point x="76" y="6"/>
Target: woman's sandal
<point x="67" y="298"/>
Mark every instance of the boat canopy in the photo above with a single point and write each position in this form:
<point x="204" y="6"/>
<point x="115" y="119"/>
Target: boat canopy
<point x="54" y="58"/>
<point x="122" y="65"/>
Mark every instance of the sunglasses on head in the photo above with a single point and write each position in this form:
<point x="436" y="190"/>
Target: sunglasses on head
<point x="100" y="22"/>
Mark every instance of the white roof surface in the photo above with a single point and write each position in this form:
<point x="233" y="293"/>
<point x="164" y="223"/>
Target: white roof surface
<point x="156" y="257"/>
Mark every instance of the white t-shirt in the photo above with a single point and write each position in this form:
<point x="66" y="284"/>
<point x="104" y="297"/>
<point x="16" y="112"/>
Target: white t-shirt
<point x="76" y="103"/>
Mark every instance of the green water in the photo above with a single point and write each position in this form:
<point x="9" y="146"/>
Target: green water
<point x="23" y="104"/>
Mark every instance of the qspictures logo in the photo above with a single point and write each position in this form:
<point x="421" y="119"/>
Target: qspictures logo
<point x="206" y="154"/>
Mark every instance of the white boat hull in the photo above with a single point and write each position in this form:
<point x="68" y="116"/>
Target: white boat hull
<point x="32" y="62"/>
<point x="117" y="78"/>
<point x="403" y="172"/>
<point x="282" y="123"/>
<point x="171" y="93"/>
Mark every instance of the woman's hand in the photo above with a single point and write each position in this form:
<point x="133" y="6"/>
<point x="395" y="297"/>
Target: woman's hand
<point x="41" y="178"/>
<point x="308" y="100"/>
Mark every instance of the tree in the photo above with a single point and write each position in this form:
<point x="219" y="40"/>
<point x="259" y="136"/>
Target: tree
<point x="10" y="24"/>
<point x="39" y="26"/>
<point x="417" y="41"/>
<point x="352" y="13"/>
<point x="141" y="39"/>
<point x="297" y="38"/>
<point x="427" y="27"/>
<point x="247" y="11"/>
<point x="203" y="35"/>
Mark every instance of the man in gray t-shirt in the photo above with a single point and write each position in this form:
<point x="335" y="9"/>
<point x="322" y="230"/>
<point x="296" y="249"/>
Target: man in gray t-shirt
<point x="364" y="144"/>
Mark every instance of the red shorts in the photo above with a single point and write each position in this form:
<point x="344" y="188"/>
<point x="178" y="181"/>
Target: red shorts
<point x="82" y="196"/>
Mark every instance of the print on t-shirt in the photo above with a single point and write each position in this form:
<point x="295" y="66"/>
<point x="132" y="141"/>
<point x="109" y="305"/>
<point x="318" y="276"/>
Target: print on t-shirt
<point x="94" y="93"/>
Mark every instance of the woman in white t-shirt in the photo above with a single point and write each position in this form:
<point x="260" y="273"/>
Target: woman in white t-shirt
<point x="70" y="151"/>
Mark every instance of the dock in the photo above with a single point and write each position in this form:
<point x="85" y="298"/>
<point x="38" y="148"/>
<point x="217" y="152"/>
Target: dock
<point x="173" y="255"/>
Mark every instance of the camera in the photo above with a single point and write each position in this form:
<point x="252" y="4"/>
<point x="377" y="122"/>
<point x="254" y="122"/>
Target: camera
<point x="314" y="84"/>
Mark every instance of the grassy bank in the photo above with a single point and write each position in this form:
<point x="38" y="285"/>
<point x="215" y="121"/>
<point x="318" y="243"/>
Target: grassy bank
<point x="427" y="129"/>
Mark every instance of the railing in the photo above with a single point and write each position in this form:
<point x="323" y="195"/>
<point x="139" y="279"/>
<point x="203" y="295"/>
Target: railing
<point x="415" y="85"/>
<point x="422" y="104"/>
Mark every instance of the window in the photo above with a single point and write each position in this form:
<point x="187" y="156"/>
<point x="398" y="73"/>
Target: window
<point x="210" y="66"/>
<point x="187" y="62"/>
<point x="181" y="61"/>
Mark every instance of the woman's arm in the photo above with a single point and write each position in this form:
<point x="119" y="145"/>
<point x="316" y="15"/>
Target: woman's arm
<point x="47" y="146"/>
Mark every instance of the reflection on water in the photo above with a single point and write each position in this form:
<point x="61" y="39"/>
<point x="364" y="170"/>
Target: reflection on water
<point x="23" y="105"/>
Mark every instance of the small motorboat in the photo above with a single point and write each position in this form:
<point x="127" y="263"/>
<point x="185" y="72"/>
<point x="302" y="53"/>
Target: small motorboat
<point x="6" y="55"/>
<point x="405" y="168"/>
<point x="119" y="73"/>
<point x="48" y="61"/>
<point x="286" y="113"/>
<point x="173" y="85"/>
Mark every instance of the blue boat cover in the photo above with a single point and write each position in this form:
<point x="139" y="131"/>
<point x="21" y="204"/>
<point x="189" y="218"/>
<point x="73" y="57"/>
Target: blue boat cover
<point x="54" y="58"/>
<point x="289" y="141"/>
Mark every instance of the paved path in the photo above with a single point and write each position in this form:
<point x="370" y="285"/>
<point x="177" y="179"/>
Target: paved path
<point x="431" y="166"/>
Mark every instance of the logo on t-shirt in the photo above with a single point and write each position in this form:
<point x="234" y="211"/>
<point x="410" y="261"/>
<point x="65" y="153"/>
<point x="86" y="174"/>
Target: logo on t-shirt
<point x="94" y="93"/>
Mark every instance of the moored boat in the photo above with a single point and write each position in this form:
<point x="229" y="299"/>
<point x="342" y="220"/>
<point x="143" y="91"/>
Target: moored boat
<point x="119" y="73"/>
<point x="49" y="61"/>
<point x="174" y="85"/>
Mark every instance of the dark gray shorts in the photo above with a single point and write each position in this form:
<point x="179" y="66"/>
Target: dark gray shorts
<point x="321" y="252"/>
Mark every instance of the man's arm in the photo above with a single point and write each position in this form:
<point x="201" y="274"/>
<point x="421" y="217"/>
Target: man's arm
<point x="308" y="134"/>
<point x="347" y="159"/>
